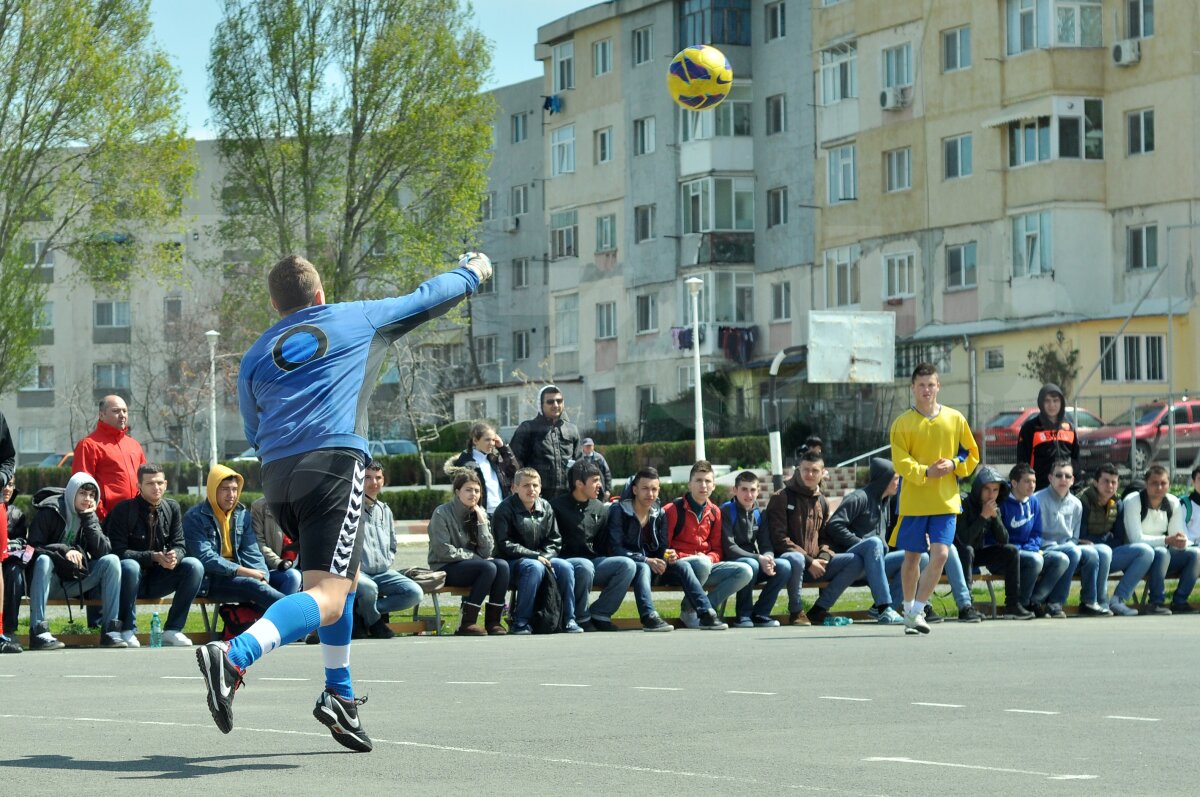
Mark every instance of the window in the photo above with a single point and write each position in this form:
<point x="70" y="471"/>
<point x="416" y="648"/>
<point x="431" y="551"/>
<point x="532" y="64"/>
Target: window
<point x="486" y="288"/>
<point x="839" y="73"/>
<point x="646" y="395"/>
<point x="519" y="201"/>
<point x="36" y="439"/>
<point x="562" y="150"/>
<point x="776" y="20"/>
<point x="37" y="255"/>
<point x="485" y="349"/>
<point x="898" y="169"/>
<point x="41" y="377"/>
<point x="909" y="354"/>
<point x="1077" y="23"/>
<point x="520" y="272"/>
<point x="1134" y="358"/>
<point x="1028" y="26"/>
<point x="960" y="266"/>
<point x="1031" y="244"/>
<point x="1072" y="23"/>
<point x="643" y="43"/>
<point x="957" y="157"/>
<point x="606" y="320"/>
<point x="506" y="410"/>
<point x="1142" y="251"/>
<point x="993" y="359"/>
<point x="899" y="271"/>
<point x="777" y="206"/>
<point x="564" y="66"/>
<point x="604" y="408"/>
<point x="43" y="318"/>
<point x="603" y="145"/>
<point x="1082" y="136"/>
<point x="843" y="180"/>
<point x="111" y="314"/>
<point x="566" y="321"/>
<point x="172" y="309"/>
<point x="486" y="206"/>
<point x="647" y="313"/>
<point x="476" y="408"/>
<point x="564" y="234"/>
<point x="643" y="136"/>
<point x="606" y="233"/>
<point x="718" y="203"/>
<point x="730" y="118"/>
<point x="956" y="49"/>
<point x="897" y="66"/>
<point x="776" y="114"/>
<point x="1141" y="131"/>
<point x="111" y="376"/>
<point x="714" y="22"/>
<point x="686" y="377"/>
<point x="841" y="275"/>
<point x="520" y="127"/>
<point x="643" y="223"/>
<point x="1141" y="19"/>
<point x="781" y="301"/>
<point x="520" y="347"/>
<point x="1029" y="141"/>
<point x="601" y="57"/>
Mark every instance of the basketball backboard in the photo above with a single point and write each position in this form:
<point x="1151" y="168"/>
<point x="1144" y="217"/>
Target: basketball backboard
<point x="851" y="347"/>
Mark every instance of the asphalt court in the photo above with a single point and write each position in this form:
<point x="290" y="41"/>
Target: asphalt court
<point x="1076" y="706"/>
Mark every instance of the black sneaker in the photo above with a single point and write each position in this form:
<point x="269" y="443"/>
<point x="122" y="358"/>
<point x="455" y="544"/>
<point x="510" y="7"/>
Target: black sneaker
<point x="967" y="614"/>
<point x="313" y="638"/>
<point x="40" y="638"/>
<point x="111" y="636"/>
<point x="10" y="645"/>
<point x="380" y="630"/>
<point x="602" y="625"/>
<point x="1181" y="608"/>
<point x="652" y="622"/>
<point x="587" y="625"/>
<point x="341" y="717"/>
<point x="709" y="621"/>
<point x="931" y="616"/>
<point x="816" y="615"/>
<point x="1017" y="612"/>
<point x="222" y="677"/>
<point x="1039" y="610"/>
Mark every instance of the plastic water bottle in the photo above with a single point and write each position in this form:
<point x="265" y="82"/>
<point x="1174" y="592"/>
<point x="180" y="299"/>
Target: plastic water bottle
<point x="155" y="631"/>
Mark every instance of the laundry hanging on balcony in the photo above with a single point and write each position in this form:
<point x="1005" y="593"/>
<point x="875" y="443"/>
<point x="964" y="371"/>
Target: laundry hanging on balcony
<point x="682" y="337"/>
<point x="553" y="104"/>
<point x="737" y="342"/>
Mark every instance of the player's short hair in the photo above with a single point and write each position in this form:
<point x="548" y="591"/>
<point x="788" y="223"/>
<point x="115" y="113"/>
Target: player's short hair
<point x="582" y="471"/>
<point x="293" y="283"/>
<point x="233" y="477"/>
<point x="478" y="430"/>
<point x="466" y="476"/>
<point x="524" y="475"/>
<point x="1195" y="472"/>
<point x="1062" y="463"/>
<point x="814" y="442"/>
<point x="745" y="477"/>
<point x="701" y="466"/>
<point x="90" y="488"/>
<point x="924" y="369"/>
<point x="1156" y="470"/>
<point x="812" y="456"/>
<point x="1020" y="471"/>
<point x="374" y="465"/>
<point x="1106" y="468"/>
<point x="147" y="469"/>
<point x="645" y="473"/>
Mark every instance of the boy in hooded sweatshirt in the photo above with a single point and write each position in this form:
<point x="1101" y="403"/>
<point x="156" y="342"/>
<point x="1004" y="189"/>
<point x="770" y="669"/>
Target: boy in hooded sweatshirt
<point x="1048" y="436"/>
<point x="1191" y="509"/>
<point x="981" y="538"/>
<point x="1022" y="519"/>
<point x="72" y="558"/>
<point x="1062" y="514"/>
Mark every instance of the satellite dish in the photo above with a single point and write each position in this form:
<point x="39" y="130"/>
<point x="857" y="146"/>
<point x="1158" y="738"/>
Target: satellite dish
<point x="857" y="348"/>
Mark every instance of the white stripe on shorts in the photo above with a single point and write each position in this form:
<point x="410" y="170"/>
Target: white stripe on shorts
<point x="339" y="563"/>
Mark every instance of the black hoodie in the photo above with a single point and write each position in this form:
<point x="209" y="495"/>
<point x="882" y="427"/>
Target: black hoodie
<point x="1045" y="438"/>
<point x="863" y="513"/>
<point x="972" y="528"/>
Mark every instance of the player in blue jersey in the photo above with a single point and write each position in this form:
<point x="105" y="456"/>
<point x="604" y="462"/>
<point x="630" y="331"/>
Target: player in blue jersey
<point x="303" y="389"/>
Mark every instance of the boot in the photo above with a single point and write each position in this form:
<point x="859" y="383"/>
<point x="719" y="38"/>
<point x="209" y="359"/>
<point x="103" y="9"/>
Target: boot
<point x="492" y="619"/>
<point x="468" y="626"/>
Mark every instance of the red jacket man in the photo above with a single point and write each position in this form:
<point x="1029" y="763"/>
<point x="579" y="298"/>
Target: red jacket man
<point x="110" y="455"/>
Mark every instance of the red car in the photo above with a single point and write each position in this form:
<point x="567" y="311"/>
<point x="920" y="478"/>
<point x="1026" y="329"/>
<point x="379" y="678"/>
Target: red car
<point x="1000" y="433"/>
<point x="1150" y="427"/>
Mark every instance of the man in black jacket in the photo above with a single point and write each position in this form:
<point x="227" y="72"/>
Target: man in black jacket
<point x="547" y="443"/>
<point x="981" y="538"/>
<point x="146" y="532"/>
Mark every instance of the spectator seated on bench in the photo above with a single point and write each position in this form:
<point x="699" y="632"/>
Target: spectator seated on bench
<point x="1098" y="525"/>
<point x="380" y="588"/>
<point x="745" y="539"/>
<point x="981" y="539"/>
<point x="72" y="559"/>
<point x="147" y="534"/>
<point x="1154" y="516"/>
<point x="461" y="545"/>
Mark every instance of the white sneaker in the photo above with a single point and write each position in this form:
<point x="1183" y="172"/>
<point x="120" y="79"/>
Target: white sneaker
<point x="175" y="639"/>
<point x="915" y="624"/>
<point x="131" y="640"/>
<point x="689" y="618"/>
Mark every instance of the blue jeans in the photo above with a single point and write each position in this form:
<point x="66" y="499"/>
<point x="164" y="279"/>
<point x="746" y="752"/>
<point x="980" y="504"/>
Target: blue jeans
<point x="726" y="578"/>
<point x="642" y="596"/>
<point x="1173" y="563"/>
<point x="797" y="562"/>
<point x="286" y="581"/>
<point x="1134" y="561"/>
<point x="686" y="574"/>
<point x="1094" y="563"/>
<point x="872" y="551"/>
<point x="157" y="582"/>
<point x="242" y="589"/>
<point x="891" y="566"/>
<point x="103" y="577"/>
<point x="388" y="591"/>
<point x="1031" y="567"/>
<point x="527" y="574"/>
<point x="841" y="571"/>
<point x="745" y="604"/>
<point x="1059" y="589"/>
<point x="613" y="573"/>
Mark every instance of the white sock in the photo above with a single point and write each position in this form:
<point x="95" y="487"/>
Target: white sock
<point x="910" y="607"/>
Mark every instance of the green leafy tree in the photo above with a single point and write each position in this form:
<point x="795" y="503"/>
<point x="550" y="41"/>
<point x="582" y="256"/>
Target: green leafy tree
<point x="352" y="132"/>
<point x="1056" y="363"/>
<point x="93" y="159"/>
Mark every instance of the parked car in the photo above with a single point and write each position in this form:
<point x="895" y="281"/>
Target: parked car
<point x="57" y="460"/>
<point x="1000" y="433"/>
<point x="1150" y="427"/>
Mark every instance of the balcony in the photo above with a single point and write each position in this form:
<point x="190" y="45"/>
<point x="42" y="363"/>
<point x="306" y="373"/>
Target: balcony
<point x="721" y="248"/>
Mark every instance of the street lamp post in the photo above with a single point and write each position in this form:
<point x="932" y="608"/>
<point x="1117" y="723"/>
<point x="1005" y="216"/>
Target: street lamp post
<point x="212" y="336"/>
<point x="694" y="284"/>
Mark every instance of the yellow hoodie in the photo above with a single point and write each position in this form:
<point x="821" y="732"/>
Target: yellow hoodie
<point x="215" y="476"/>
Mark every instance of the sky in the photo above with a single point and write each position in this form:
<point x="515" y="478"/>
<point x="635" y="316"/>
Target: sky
<point x="184" y="27"/>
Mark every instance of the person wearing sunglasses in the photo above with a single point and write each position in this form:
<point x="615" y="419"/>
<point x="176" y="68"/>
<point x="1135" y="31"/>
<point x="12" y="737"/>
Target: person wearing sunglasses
<point x="548" y="443"/>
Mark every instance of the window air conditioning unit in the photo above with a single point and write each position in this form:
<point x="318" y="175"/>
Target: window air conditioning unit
<point x="1127" y="52"/>
<point x="895" y="98"/>
<point x="512" y="223"/>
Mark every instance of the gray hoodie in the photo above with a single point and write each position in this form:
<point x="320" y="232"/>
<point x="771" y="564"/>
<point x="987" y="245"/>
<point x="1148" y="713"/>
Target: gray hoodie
<point x="863" y="513"/>
<point x="1061" y="517"/>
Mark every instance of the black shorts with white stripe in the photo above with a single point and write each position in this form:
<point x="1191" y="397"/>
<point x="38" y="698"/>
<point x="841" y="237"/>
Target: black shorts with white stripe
<point x="317" y="498"/>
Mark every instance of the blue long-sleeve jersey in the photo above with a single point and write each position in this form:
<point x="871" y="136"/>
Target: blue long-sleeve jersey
<point x="305" y="383"/>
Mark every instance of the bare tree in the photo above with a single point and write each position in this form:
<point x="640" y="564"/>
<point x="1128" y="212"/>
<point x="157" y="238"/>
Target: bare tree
<point x="420" y="395"/>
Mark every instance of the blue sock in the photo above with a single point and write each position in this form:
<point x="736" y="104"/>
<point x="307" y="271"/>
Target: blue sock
<point x="285" y="621"/>
<point x="335" y="649"/>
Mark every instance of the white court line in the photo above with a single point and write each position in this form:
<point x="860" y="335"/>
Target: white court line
<point x="1030" y="711"/>
<point x="940" y="705"/>
<point x="1134" y="719"/>
<point x="660" y="688"/>
<point x="570" y="686"/>
<point x="285" y="679"/>
<point x="181" y="677"/>
<point x="851" y="699"/>
<point x="375" y="681"/>
<point x="475" y="683"/>
<point x="89" y="676"/>
<point x="736" y="692"/>
<point x="7" y="675"/>
<point x="505" y="754"/>
<point x="1049" y="775"/>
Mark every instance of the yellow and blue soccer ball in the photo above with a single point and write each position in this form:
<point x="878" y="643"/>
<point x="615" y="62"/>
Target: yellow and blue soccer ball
<point x="699" y="77"/>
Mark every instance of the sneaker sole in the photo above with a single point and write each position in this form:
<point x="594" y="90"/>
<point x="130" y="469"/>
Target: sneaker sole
<point x="223" y="719"/>
<point x="342" y="736"/>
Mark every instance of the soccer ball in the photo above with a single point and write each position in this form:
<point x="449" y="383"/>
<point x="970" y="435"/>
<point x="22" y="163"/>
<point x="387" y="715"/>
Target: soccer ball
<point x="699" y="77"/>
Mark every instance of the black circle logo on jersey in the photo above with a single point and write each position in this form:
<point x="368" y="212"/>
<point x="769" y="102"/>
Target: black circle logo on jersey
<point x="299" y="345"/>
